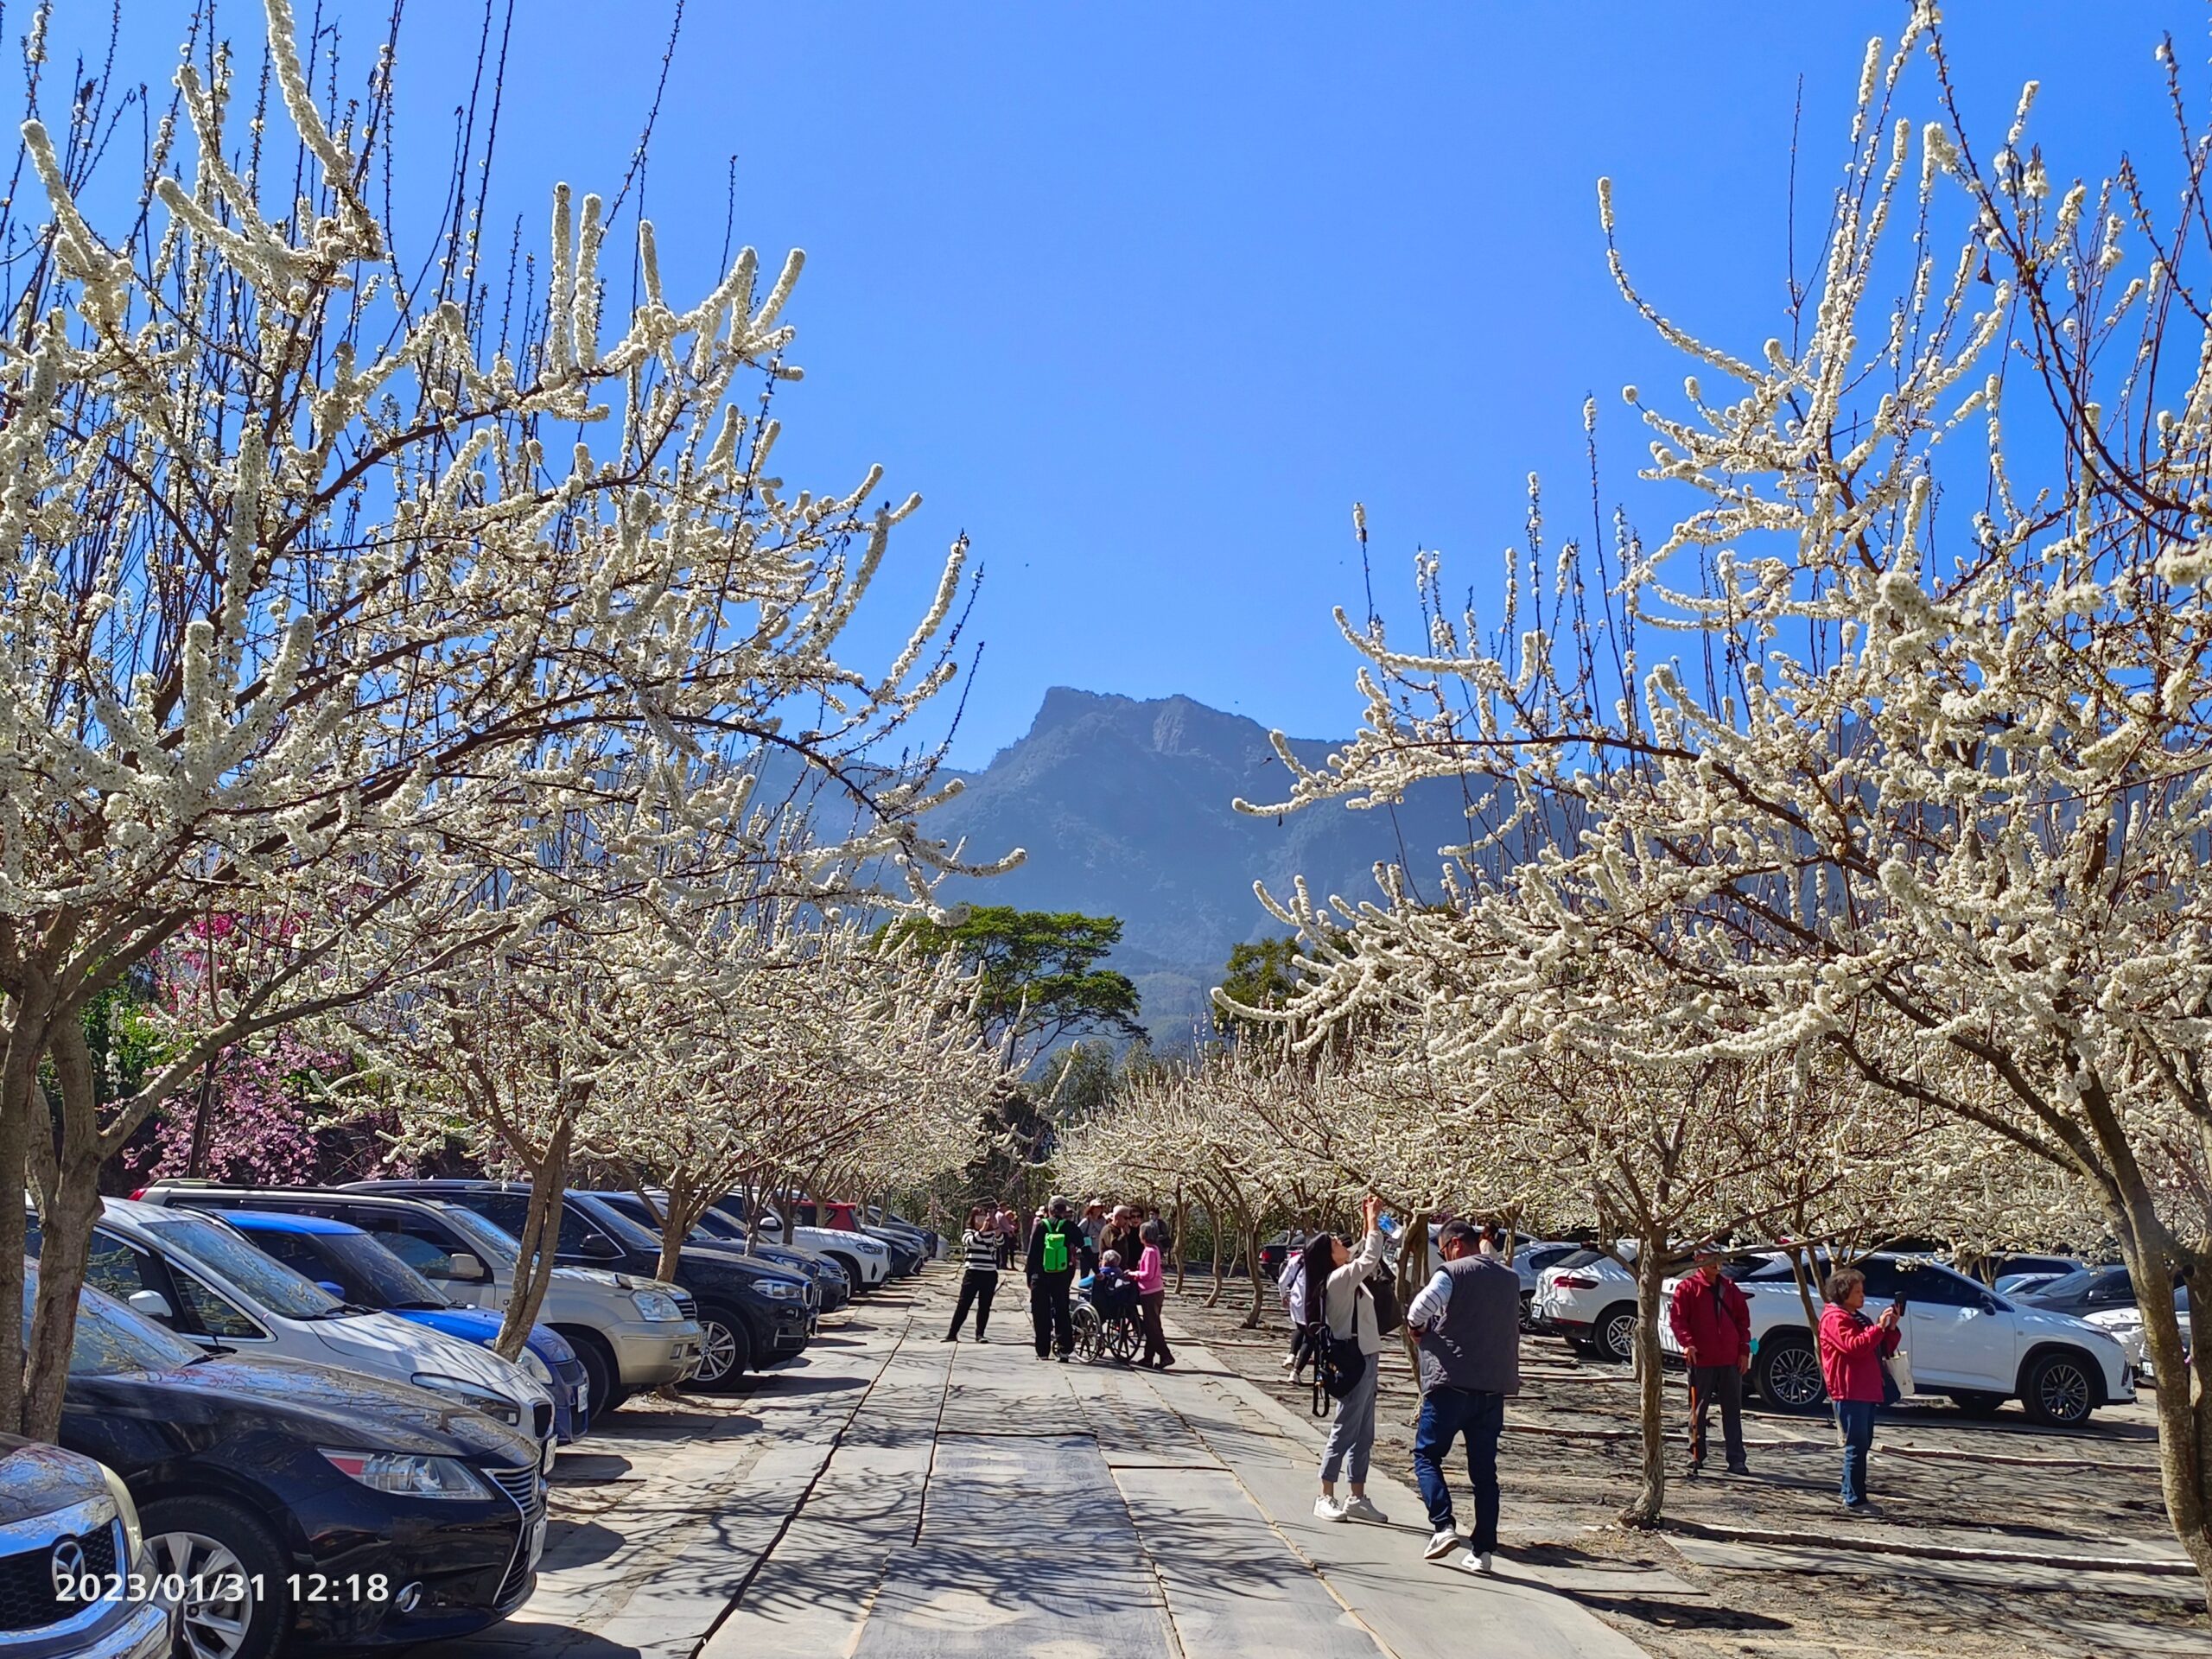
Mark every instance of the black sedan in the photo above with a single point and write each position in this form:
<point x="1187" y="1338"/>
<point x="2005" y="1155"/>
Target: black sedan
<point x="719" y="1232"/>
<point x="749" y="1313"/>
<point x="296" y="1500"/>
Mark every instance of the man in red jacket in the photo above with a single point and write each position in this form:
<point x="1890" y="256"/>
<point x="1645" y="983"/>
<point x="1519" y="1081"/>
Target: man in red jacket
<point x="1713" y="1322"/>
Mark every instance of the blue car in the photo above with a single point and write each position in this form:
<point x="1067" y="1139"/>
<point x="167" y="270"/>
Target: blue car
<point x="350" y="1264"/>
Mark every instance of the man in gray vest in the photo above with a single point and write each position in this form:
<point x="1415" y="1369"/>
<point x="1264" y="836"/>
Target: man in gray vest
<point x="1469" y="1320"/>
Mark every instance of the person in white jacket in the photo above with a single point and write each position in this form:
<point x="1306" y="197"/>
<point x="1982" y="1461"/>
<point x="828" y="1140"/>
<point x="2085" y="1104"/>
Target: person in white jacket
<point x="1336" y="1294"/>
<point x="1291" y="1286"/>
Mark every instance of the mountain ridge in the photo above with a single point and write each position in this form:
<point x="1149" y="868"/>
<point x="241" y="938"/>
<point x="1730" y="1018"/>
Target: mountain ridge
<point x="1125" y="807"/>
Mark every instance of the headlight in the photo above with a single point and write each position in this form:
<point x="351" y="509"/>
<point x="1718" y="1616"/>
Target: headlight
<point x="407" y="1476"/>
<point x="655" y="1305"/>
<point x="132" y="1539"/>
<point x="537" y="1370"/>
<point x="776" y="1291"/>
<point x="471" y="1394"/>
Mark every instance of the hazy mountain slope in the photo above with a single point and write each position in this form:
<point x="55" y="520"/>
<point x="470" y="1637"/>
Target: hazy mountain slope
<point x="1125" y="808"/>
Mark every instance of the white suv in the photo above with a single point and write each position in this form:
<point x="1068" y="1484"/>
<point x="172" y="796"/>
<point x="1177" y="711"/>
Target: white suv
<point x="1962" y="1338"/>
<point x="1589" y="1299"/>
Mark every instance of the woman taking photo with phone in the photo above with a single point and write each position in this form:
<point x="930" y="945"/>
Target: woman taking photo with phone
<point x="1337" y="1299"/>
<point x="1853" y="1348"/>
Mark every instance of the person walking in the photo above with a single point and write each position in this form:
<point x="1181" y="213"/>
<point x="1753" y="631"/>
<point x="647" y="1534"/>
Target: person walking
<point x="1468" y="1319"/>
<point x="1853" y="1348"/>
<point x="980" y="1241"/>
<point x="1122" y="1234"/>
<point x="1152" y="1294"/>
<point x="1009" y="1230"/>
<point x="1292" y="1288"/>
<point x="1093" y="1226"/>
<point x="1336" y="1296"/>
<point x="1713" y="1322"/>
<point x="1057" y="1249"/>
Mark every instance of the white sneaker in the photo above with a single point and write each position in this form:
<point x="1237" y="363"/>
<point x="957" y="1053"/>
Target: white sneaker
<point x="1360" y="1507"/>
<point x="1327" y="1508"/>
<point x="1288" y="1363"/>
<point x="1441" y="1544"/>
<point x="1475" y="1563"/>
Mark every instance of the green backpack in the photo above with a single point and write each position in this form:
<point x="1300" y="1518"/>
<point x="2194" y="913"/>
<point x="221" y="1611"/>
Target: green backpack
<point x="1055" y="1247"/>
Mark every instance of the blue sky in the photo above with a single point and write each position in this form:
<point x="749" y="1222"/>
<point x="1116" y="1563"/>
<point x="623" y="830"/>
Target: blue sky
<point x="1143" y="297"/>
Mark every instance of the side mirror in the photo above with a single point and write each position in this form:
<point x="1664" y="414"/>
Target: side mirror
<point x="464" y="1266"/>
<point x="152" y="1304"/>
<point x="1990" y="1304"/>
<point x="600" y="1248"/>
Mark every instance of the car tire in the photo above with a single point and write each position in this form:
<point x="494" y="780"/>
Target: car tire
<point x="1616" y="1333"/>
<point x="1528" y="1310"/>
<point x="213" y="1539"/>
<point x="852" y="1269"/>
<point x="725" y="1349"/>
<point x="597" y="1361"/>
<point x="1787" y="1373"/>
<point x="1977" y="1403"/>
<point x="2060" y="1389"/>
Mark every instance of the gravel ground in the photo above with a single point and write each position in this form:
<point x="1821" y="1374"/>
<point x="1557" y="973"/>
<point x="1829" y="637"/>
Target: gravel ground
<point x="1569" y="1461"/>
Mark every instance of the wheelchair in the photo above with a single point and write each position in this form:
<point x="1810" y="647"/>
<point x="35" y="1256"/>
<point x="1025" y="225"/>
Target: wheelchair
<point x="1112" y="1331"/>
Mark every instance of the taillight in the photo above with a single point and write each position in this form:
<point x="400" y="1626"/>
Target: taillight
<point x="140" y="1193"/>
<point x="1574" y="1281"/>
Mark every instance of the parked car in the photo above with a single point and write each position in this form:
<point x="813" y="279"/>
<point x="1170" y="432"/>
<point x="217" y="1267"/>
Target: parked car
<point x="2086" y="1291"/>
<point x="299" y="1501"/>
<point x="2125" y="1324"/>
<point x="349" y="1264"/>
<point x="831" y="1288"/>
<point x="876" y="1215"/>
<point x="72" y="1541"/>
<point x="1589" y="1299"/>
<point x="2005" y="1264"/>
<point x="632" y="1333"/>
<point x="199" y="1276"/>
<point x="748" y="1313"/>
<point x="866" y="1259"/>
<point x="1275" y="1253"/>
<point x="1962" y="1339"/>
<point x="906" y="1254"/>
<point x="2019" y="1284"/>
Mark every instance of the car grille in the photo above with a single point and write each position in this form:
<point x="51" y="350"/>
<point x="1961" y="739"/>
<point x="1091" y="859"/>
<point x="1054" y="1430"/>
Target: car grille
<point x="523" y="1487"/>
<point x="27" y="1601"/>
<point x="687" y="1304"/>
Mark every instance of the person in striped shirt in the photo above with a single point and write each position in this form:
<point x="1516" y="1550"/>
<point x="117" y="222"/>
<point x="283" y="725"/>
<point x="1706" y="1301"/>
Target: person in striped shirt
<point x="981" y="1240"/>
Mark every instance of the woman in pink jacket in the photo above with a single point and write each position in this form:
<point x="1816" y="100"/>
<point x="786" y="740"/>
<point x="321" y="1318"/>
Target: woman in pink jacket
<point x="1853" y="1348"/>
<point x="1152" y="1291"/>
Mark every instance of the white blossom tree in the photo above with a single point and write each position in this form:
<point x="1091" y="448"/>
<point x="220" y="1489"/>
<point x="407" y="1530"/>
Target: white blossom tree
<point x="311" y="572"/>
<point x="1932" y="757"/>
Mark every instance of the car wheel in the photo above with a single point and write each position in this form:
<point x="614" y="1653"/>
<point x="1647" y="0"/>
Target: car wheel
<point x="1528" y="1310"/>
<point x="725" y="1349"/>
<point x="1788" y="1373"/>
<point x="2059" y="1389"/>
<point x="214" y="1547"/>
<point x="852" y="1272"/>
<point x="1616" y="1330"/>
<point x="1977" y="1403"/>
<point x="597" y="1361"/>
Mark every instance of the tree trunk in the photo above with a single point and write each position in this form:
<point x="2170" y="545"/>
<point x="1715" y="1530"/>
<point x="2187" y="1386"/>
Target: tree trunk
<point x="1413" y="1274"/>
<point x="1798" y="1272"/>
<point x="1650" y="1376"/>
<point x="2184" y="1397"/>
<point x="1182" y="1220"/>
<point x="1251" y="1320"/>
<point x="540" y="1241"/>
<point x="19" y="1094"/>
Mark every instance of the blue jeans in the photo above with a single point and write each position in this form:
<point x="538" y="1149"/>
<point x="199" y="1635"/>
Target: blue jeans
<point x="1856" y="1419"/>
<point x="1445" y="1414"/>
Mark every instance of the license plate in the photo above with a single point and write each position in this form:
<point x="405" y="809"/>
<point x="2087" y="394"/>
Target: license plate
<point x="537" y="1541"/>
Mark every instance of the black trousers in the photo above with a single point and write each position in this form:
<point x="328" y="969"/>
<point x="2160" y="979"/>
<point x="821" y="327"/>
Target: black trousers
<point x="977" y="1287"/>
<point x="1155" y="1334"/>
<point x="1051" y="1312"/>
<point x="1721" y="1384"/>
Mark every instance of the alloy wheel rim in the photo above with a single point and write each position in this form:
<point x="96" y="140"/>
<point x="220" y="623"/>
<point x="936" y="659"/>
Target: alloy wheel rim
<point x="1794" y="1376"/>
<point x="1620" y="1337"/>
<point x="210" y="1626"/>
<point x="2065" y="1393"/>
<point x="718" y="1350"/>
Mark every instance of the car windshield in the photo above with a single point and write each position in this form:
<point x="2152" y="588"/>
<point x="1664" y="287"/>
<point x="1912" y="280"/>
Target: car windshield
<point x="370" y="1274"/>
<point x="494" y="1243"/>
<point x="2066" y="1285"/>
<point x="715" y="1225"/>
<point x="1581" y="1259"/>
<point x="616" y="1225"/>
<point x="261" y="1279"/>
<point x="111" y="1339"/>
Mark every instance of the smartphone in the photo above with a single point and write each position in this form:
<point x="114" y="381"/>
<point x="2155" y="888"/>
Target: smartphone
<point x="1386" y="1226"/>
<point x="1898" y="1305"/>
